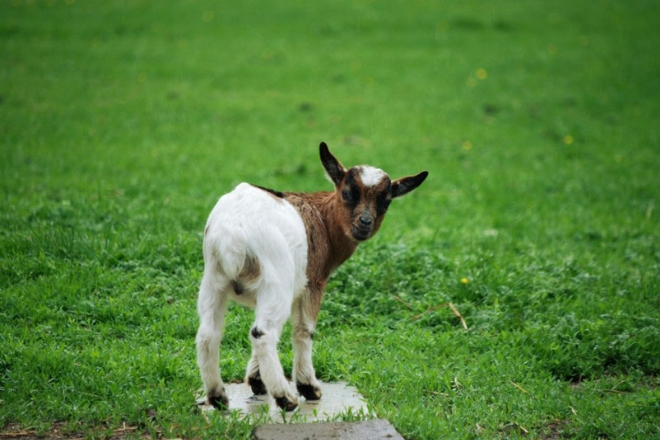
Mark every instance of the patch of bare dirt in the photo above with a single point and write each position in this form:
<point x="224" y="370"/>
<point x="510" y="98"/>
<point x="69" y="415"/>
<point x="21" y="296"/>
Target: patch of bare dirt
<point x="555" y="430"/>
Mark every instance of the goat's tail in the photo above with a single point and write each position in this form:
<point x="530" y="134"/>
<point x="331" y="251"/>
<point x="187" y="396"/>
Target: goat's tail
<point x="228" y="250"/>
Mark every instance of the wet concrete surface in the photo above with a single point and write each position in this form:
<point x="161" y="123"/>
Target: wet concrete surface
<point x="338" y="398"/>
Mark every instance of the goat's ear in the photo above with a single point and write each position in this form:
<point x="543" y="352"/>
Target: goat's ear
<point x="404" y="185"/>
<point x="333" y="168"/>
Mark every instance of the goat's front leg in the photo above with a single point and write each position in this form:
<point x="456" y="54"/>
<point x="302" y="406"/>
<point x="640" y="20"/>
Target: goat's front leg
<point x="303" y="320"/>
<point x="265" y="370"/>
<point x="212" y="307"/>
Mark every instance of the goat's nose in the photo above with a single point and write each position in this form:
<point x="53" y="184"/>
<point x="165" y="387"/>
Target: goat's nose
<point x="366" y="220"/>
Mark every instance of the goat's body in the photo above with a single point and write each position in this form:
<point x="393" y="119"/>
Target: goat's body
<point x="275" y="251"/>
<point x="256" y="253"/>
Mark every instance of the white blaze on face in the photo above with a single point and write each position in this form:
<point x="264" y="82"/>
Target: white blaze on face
<point x="371" y="176"/>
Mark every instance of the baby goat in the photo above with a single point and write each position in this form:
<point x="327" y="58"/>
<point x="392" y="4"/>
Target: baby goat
<point x="274" y="251"/>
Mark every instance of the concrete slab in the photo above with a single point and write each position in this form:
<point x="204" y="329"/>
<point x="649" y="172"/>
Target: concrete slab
<point x="338" y="398"/>
<point x="367" y="430"/>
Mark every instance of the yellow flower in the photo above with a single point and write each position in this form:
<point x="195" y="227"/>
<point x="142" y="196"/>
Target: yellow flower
<point x="568" y="139"/>
<point x="464" y="280"/>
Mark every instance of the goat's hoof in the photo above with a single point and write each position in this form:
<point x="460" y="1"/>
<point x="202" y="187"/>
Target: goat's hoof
<point x="258" y="387"/>
<point x="219" y="400"/>
<point x="309" y="392"/>
<point x="286" y="404"/>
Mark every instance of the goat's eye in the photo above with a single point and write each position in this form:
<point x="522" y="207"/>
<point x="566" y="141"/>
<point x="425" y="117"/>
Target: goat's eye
<point x="346" y="195"/>
<point x="383" y="204"/>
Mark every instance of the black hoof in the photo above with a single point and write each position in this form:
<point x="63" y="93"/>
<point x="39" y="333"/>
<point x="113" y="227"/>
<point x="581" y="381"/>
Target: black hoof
<point x="258" y="387"/>
<point x="220" y="402"/>
<point x="309" y="392"/>
<point x="286" y="404"/>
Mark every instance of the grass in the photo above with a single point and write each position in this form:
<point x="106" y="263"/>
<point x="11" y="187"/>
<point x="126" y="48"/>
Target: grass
<point x="121" y="122"/>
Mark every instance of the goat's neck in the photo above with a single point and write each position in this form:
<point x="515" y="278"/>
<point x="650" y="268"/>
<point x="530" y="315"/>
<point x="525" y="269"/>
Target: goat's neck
<point x="338" y="246"/>
<point x="341" y="245"/>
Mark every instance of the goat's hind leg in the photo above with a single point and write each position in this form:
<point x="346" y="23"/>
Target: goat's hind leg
<point x="253" y="377"/>
<point x="212" y="307"/>
<point x="273" y="309"/>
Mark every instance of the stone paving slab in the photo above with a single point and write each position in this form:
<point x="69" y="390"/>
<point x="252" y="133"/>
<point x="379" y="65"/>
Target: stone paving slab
<point x="367" y="430"/>
<point x="338" y="398"/>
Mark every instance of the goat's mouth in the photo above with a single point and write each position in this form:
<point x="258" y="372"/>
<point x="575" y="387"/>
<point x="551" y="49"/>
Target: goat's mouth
<point x="360" y="234"/>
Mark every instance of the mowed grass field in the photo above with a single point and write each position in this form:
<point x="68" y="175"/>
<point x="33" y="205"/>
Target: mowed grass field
<point x="122" y="122"/>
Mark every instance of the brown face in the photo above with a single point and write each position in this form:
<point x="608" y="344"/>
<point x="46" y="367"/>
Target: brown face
<point x="365" y="193"/>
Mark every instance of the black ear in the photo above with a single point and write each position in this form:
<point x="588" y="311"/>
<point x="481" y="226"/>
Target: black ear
<point x="333" y="168"/>
<point x="404" y="185"/>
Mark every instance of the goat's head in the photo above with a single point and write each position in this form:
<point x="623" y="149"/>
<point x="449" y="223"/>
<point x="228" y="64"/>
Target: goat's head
<point x="363" y="194"/>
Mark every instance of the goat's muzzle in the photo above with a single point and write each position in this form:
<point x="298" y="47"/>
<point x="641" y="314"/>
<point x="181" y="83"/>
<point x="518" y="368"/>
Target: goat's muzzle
<point x="363" y="228"/>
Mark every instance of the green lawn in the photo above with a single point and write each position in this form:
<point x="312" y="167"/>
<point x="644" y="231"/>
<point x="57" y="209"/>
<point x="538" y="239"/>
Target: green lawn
<point x="122" y="122"/>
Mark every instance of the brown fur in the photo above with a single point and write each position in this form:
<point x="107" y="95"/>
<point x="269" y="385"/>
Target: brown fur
<point x="329" y="242"/>
<point x="251" y="269"/>
<point x="327" y="245"/>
